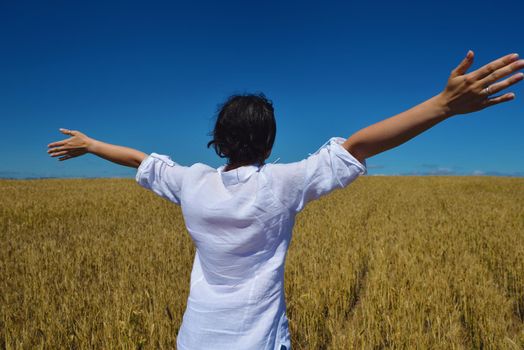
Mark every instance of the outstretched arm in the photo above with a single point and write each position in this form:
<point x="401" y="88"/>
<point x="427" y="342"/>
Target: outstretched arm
<point x="464" y="93"/>
<point x="79" y="144"/>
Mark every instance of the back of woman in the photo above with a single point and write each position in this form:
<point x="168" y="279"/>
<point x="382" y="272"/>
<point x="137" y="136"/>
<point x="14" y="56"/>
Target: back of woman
<point x="241" y="222"/>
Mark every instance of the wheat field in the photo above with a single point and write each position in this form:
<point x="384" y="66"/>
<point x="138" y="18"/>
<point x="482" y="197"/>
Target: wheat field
<point x="386" y="263"/>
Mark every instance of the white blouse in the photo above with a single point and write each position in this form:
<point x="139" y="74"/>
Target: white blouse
<point x="241" y="222"/>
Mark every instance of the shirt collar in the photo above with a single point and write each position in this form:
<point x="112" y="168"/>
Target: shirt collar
<point x="238" y="175"/>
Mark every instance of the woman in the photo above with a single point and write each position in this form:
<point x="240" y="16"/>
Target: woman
<point x="240" y="216"/>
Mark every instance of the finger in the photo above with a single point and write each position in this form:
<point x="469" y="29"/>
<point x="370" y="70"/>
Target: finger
<point x="499" y="99"/>
<point x="57" y="143"/>
<point x="494" y="88"/>
<point x="69" y="152"/>
<point x="63" y="149"/>
<point x="56" y="149"/>
<point x="68" y="156"/>
<point x="67" y="131"/>
<point x="493" y="66"/>
<point x="60" y="153"/>
<point x="501" y="73"/>
<point x="464" y="65"/>
<point x="65" y="158"/>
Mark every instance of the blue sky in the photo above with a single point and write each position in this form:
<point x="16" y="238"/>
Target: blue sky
<point x="150" y="75"/>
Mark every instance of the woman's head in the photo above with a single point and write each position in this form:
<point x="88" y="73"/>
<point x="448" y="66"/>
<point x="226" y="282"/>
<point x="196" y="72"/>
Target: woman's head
<point x="245" y="129"/>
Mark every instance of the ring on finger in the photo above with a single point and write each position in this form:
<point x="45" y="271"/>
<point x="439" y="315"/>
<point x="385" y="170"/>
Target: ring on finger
<point x="486" y="91"/>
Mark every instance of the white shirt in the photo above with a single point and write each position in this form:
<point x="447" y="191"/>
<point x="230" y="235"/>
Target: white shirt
<point x="241" y="222"/>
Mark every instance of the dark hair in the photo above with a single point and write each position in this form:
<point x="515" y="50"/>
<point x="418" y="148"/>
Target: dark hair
<point x="245" y="129"/>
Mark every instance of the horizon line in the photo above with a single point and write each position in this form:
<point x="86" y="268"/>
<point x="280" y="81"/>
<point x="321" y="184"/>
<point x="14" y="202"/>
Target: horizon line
<point x="367" y="175"/>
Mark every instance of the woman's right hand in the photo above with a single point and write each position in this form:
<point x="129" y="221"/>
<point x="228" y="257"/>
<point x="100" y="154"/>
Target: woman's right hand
<point x="470" y="92"/>
<point x="78" y="144"/>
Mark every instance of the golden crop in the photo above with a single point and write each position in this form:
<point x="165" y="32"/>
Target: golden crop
<point x="388" y="262"/>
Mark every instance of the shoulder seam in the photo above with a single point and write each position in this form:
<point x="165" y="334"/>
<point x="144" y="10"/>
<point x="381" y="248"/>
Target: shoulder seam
<point x="289" y="210"/>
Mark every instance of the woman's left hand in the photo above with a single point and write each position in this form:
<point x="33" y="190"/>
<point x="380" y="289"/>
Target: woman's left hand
<point x="77" y="145"/>
<point x="466" y="93"/>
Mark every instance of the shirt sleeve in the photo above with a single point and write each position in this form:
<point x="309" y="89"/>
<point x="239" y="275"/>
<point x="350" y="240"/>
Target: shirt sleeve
<point x="161" y="175"/>
<point x="329" y="168"/>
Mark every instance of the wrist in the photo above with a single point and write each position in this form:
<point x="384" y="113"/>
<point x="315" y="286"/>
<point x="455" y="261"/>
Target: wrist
<point x="91" y="145"/>
<point x="442" y="106"/>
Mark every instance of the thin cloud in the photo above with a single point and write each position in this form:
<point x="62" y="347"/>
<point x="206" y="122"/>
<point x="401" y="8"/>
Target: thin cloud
<point x="498" y="173"/>
<point x="376" y="166"/>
